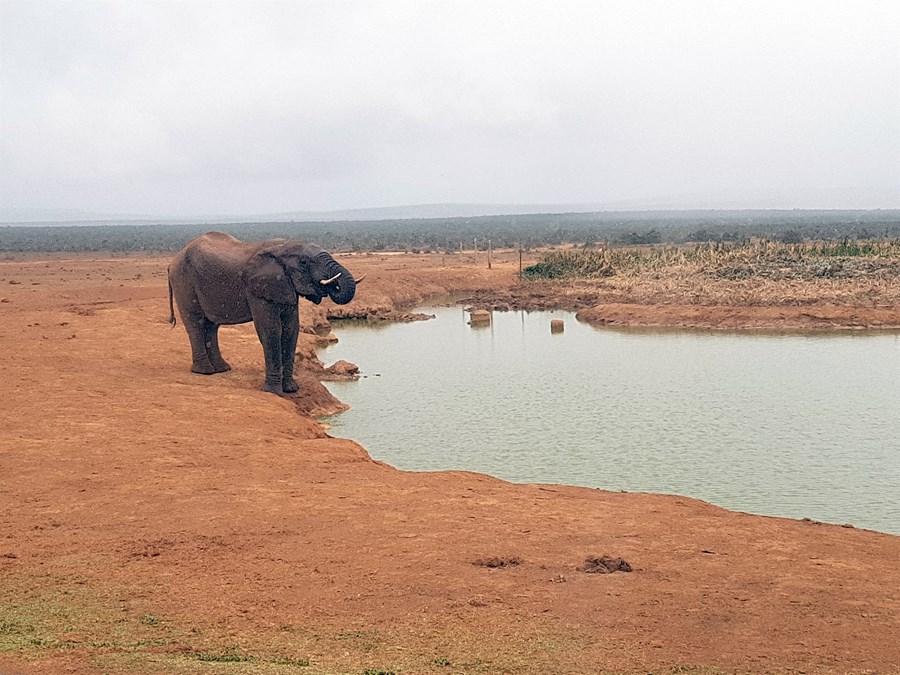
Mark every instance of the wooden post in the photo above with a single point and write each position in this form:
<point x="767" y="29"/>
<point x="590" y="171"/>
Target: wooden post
<point x="490" y="252"/>
<point x="520" y="260"/>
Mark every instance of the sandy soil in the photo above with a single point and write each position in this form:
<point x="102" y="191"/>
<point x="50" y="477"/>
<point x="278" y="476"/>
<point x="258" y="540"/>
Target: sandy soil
<point x="152" y="520"/>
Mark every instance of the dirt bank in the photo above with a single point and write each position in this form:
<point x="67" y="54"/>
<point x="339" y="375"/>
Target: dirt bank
<point x="794" y="294"/>
<point x="823" y="316"/>
<point x="152" y="520"/>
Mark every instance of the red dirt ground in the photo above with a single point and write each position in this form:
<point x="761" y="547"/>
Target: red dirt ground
<point x="152" y="520"/>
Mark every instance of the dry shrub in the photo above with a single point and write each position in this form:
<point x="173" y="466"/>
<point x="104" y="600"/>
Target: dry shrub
<point x="757" y="273"/>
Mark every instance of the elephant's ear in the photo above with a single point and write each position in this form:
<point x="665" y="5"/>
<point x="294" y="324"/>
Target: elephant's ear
<point x="266" y="278"/>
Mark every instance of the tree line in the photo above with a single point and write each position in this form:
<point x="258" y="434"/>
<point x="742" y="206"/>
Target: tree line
<point x="451" y="234"/>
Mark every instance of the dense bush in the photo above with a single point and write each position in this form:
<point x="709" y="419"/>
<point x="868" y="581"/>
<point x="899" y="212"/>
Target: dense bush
<point x="580" y="264"/>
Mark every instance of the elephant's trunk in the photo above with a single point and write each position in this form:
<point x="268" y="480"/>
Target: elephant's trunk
<point x="342" y="289"/>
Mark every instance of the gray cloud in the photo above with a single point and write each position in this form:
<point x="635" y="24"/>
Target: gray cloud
<point x="176" y="108"/>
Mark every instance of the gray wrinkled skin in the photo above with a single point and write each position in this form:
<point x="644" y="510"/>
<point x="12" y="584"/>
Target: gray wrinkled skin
<point x="217" y="280"/>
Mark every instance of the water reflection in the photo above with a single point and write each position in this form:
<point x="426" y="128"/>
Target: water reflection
<point x="791" y="425"/>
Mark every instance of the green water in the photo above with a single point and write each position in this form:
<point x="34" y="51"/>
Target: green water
<point x="786" y="425"/>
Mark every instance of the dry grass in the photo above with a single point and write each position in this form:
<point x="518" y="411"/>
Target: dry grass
<point x="759" y="273"/>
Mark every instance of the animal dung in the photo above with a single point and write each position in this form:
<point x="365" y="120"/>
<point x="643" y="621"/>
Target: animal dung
<point x="496" y="562"/>
<point x="604" y="565"/>
<point x="479" y="317"/>
<point x="557" y="326"/>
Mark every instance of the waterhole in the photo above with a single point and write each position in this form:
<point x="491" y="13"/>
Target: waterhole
<point x="802" y="426"/>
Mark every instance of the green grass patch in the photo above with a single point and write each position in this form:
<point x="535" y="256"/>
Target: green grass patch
<point x="115" y="629"/>
<point x="847" y="248"/>
<point x="62" y="612"/>
<point x="224" y="657"/>
<point x="286" y="661"/>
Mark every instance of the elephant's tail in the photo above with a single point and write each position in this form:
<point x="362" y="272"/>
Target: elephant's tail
<point x="171" y="304"/>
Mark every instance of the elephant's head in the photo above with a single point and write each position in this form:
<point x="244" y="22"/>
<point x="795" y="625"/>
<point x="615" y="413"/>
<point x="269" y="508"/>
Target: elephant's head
<point x="280" y="271"/>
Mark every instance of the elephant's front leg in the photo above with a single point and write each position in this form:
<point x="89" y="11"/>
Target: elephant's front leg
<point x="290" y="330"/>
<point x="267" y="321"/>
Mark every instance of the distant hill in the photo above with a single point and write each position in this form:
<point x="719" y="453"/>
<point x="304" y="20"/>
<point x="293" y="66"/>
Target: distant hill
<point x="819" y="199"/>
<point x="422" y="211"/>
<point x="11" y="216"/>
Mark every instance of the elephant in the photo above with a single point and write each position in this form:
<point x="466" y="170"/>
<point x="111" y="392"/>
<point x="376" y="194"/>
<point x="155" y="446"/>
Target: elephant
<point x="218" y="280"/>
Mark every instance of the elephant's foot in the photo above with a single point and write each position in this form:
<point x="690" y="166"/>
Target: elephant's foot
<point x="290" y="386"/>
<point x="204" y="368"/>
<point x="221" y="366"/>
<point x="272" y="389"/>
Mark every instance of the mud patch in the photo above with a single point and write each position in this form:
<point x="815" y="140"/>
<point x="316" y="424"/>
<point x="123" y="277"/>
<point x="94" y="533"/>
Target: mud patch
<point x="532" y="296"/>
<point x="604" y="565"/>
<point x="377" y="314"/>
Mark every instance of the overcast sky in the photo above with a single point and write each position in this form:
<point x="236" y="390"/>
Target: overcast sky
<point x="186" y="108"/>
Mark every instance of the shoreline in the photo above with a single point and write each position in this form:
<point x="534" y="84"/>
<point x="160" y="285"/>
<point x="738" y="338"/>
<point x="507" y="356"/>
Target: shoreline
<point x="402" y="452"/>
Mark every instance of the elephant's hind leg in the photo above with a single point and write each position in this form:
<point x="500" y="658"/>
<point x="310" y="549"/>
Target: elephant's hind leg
<point x="212" y="348"/>
<point x="196" y="327"/>
<point x="203" y="333"/>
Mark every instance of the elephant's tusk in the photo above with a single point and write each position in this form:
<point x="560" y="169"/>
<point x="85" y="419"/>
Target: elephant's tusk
<point x="360" y="279"/>
<point x="325" y="282"/>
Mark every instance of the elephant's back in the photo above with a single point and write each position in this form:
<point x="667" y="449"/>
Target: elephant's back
<point x="207" y="272"/>
<point x="221" y="245"/>
<point x="217" y="248"/>
<point x="216" y="239"/>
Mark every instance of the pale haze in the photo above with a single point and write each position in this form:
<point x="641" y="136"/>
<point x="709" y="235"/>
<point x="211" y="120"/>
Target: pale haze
<point x="175" y="109"/>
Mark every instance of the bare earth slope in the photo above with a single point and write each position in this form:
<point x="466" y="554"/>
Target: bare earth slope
<point x="152" y="520"/>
